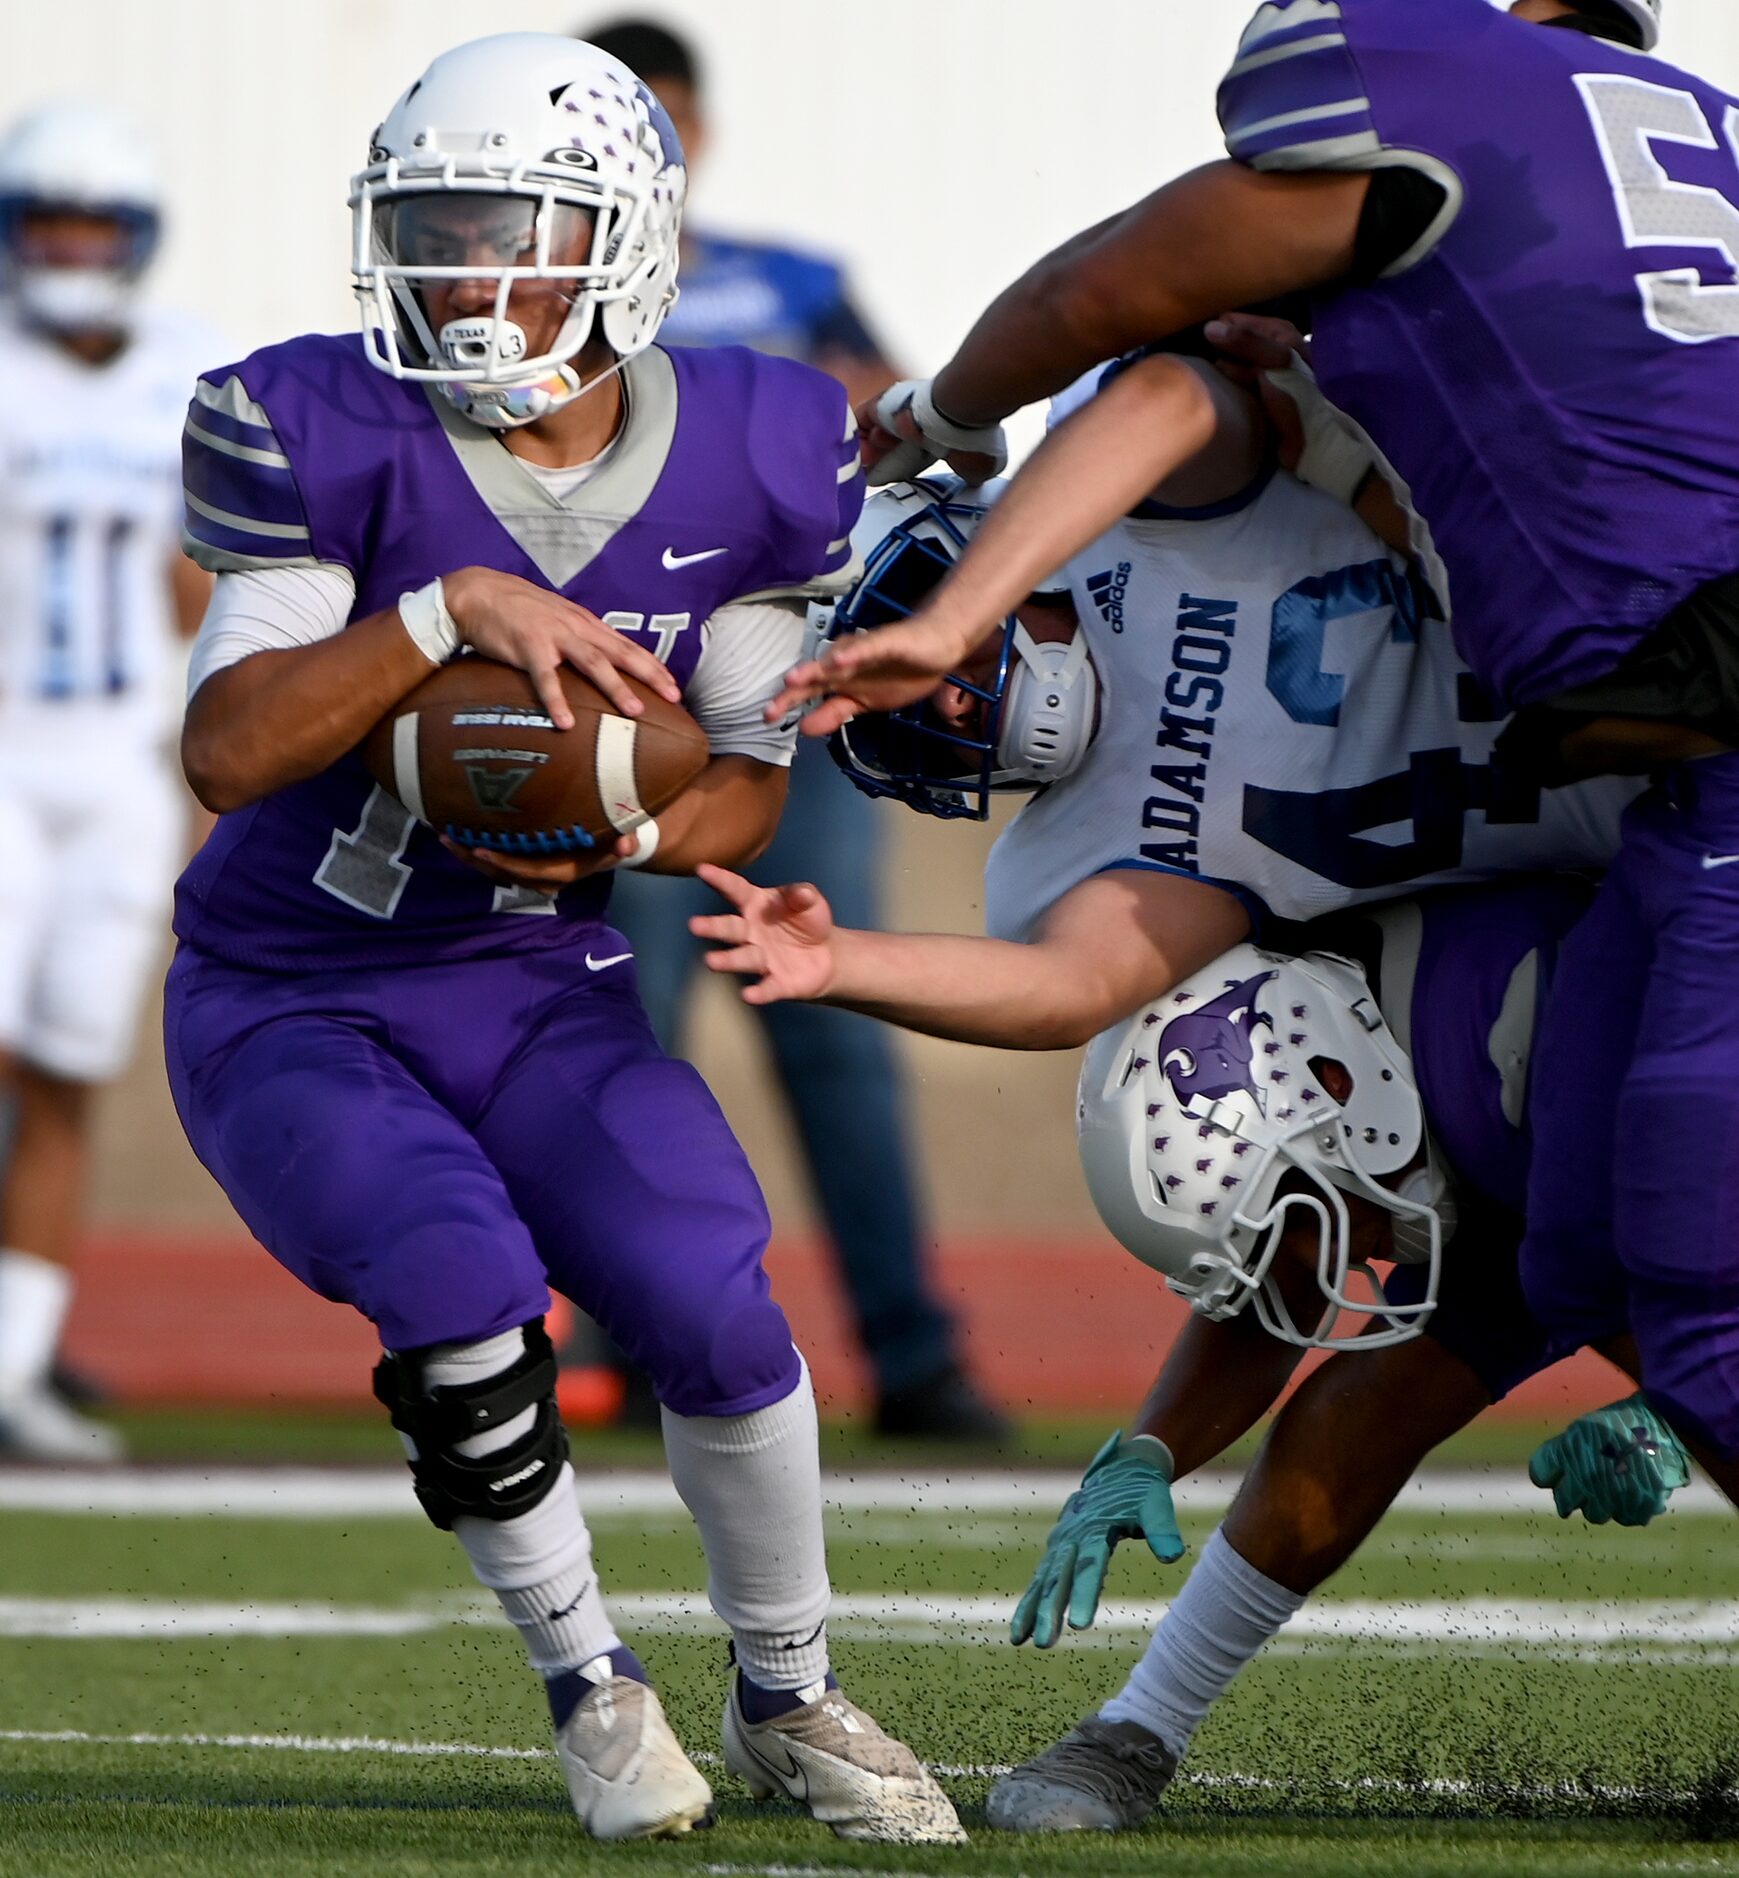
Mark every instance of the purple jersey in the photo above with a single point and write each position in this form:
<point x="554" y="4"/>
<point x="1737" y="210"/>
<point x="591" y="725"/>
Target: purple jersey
<point x="1462" y="976"/>
<point x="1571" y="319"/>
<point x="734" y="474"/>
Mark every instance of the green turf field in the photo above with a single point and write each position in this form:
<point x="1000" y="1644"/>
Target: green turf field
<point x="1484" y="1691"/>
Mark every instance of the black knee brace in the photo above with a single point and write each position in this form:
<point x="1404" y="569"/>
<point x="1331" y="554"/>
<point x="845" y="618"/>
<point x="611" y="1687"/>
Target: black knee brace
<point x="493" y="1486"/>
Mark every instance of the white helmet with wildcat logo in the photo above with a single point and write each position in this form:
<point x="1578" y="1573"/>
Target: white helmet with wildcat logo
<point x="570" y="133"/>
<point x="1206" y="1127"/>
<point x="77" y="159"/>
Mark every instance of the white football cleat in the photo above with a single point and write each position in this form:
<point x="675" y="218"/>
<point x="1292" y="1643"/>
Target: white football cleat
<point x="626" y="1771"/>
<point x="833" y="1759"/>
<point x="36" y="1425"/>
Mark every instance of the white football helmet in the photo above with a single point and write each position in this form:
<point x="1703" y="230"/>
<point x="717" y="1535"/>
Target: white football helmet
<point x="77" y="158"/>
<point x="1040" y="702"/>
<point x="555" y="135"/>
<point x="1194" y="1113"/>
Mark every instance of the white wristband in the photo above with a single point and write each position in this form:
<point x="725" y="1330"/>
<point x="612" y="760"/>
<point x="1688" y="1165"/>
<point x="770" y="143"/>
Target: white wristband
<point x="941" y="435"/>
<point x="432" y="628"/>
<point x="1334" y="460"/>
<point x="647" y="835"/>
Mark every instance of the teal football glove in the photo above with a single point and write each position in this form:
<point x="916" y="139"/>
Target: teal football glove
<point x="1124" y="1494"/>
<point x="1620" y="1462"/>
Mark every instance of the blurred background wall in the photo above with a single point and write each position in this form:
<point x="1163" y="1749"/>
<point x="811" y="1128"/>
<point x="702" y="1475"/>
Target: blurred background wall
<point x="937" y="145"/>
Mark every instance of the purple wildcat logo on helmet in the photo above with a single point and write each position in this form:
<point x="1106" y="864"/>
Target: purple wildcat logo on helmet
<point x="1210" y="1052"/>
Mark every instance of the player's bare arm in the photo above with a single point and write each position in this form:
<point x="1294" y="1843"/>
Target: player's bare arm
<point x="1107" y="947"/>
<point x="278" y="717"/>
<point x="1169" y="427"/>
<point x="1220" y="236"/>
<point x="189" y="593"/>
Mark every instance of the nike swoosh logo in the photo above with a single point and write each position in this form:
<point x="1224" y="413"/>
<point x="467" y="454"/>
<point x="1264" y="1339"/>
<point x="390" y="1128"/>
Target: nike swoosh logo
<point x="673" y="560"/>
<point x="1719" y="860"/>
<point x="598" y="965"/>
<point x="793" y="1776"/>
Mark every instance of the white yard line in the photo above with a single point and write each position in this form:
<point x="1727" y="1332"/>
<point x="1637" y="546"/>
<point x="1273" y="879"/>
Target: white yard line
<point x="372" y="1493"/>
<point x="467" y="1750"/>
<point x="1693" y="1631"/>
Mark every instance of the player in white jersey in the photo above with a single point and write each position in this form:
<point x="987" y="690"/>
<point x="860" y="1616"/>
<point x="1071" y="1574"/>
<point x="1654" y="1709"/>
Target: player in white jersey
<point x="1212" y="793"/>
<point x="93" y="591"/>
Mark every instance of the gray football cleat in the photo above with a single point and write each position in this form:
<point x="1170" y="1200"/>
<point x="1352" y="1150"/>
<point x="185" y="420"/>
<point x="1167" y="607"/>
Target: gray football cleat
<point x="626" y="1772"/>
<point x="1103" y="1776"/>
<point x="833" y="1759"/>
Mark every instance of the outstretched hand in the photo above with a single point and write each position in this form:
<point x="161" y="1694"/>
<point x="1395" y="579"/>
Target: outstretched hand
<point x="781" y="937"/>
<point x="871" y="671"/>
<point x="1124" y="1494"/>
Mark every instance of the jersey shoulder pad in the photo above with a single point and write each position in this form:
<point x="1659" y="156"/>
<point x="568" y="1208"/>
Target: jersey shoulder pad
<point x="799" y="444"/>
<point x="1293" y="98"/>
<point x="279" y="452"/>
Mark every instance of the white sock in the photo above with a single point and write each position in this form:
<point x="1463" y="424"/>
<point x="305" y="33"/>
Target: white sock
<point x="1223" y="1615"/>
<point x="35" y="1296"/>
<point x="753" y="1484"/>
<point x="539" y="1564"/>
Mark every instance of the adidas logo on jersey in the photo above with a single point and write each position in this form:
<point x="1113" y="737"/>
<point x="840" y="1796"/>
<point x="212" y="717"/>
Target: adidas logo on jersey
<point x="1107" y="593"/>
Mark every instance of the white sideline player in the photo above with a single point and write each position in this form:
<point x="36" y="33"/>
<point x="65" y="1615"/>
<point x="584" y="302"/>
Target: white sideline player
<point x="93" y="589"/>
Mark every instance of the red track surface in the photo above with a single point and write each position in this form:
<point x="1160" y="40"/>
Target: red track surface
<point x="1051" y="1328"/>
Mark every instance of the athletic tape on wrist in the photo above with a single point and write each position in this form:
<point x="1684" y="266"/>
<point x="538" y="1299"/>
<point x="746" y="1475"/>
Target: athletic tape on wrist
<point x="939" y="431"/>
<point x="433" y="630"/>
<point x="647" y="835"/>
<point x="1334" y="460"/>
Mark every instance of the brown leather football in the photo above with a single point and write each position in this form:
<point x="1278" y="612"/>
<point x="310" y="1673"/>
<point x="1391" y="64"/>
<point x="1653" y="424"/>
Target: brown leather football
<point x="474" y="754"/>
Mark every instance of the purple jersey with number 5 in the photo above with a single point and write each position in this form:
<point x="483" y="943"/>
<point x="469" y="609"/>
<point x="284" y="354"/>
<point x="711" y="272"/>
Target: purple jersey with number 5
<point x="733" y="474"/>
<point x="1553" y="369"/>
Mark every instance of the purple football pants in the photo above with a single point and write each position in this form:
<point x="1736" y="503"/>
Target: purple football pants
<point x="436" y="1144"/>
<point x="1633" y="1194"/>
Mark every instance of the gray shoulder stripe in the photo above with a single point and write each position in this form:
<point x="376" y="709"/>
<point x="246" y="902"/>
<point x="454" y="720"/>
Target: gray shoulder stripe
<point x="1272" y="19"/>
<point x="1362" y="150"/>
<point x="1254" y="61"/>
<point x="1313" y="114"/>
<point x="272" y="459"/>
<point x="229" y="561"/>
<point x="232" y="400"/>
<point x="226" y="518"/>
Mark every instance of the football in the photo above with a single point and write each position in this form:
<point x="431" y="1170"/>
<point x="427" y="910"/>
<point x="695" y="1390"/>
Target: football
<point x="473" y="753"/>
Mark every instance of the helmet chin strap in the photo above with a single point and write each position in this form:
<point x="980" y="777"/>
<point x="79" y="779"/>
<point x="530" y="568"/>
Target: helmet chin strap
<point x="510" y="404"/>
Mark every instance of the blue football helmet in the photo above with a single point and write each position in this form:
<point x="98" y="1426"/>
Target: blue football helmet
<point x="1036" y="700"/>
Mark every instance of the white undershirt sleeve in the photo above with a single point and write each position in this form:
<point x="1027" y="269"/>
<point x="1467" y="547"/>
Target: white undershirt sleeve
<point x="268" y="610"/>
<point x="750" y="646"/>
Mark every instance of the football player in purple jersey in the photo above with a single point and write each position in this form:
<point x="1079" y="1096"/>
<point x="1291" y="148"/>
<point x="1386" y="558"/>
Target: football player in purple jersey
<point x="1515" y="233"/>
<point x="423" y="1075"/>
<point x="1235" y="1132"/>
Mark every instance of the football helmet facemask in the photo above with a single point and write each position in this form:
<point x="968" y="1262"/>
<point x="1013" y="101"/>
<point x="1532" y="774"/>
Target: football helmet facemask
<point x="1205" y="1129"/>
<point x="77" y="160"/>
<point x="1037" y="704"/>
<point x="522" y="157"/>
